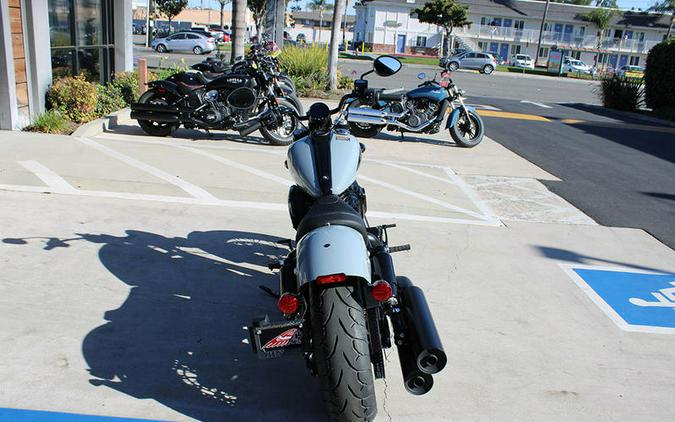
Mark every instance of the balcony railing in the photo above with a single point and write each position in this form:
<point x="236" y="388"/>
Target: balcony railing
<point x="561" y="39"/>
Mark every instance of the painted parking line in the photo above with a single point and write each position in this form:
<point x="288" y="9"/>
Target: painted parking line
<point x="542" y="105"/>
<point x="510" y="115"/>
<point x="51" y="179"/>
<point x="193" y="190"/>
<point x="23" y="415"/>
<point x="635" y="300"/>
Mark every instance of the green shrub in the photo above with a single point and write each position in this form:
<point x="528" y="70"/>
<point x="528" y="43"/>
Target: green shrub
<point x="622" y="93"/>
<point x="660" y="76"/>
<point x="345" y="82"/>
<point x="127" y="83"/>
<point x="51" y="121"/>
<point x="303" y="62"/>
<point x="165" y="72"/>
<point x="109" y="98"/>
<point x="74" y="97"/>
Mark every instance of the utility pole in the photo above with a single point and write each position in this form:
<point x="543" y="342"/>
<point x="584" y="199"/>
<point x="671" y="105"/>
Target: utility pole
<point x="344" y="26"/>
<point x="148" y="30"/>
<point x="541" y="31"/>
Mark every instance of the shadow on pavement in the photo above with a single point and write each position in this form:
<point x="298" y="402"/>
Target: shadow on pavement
<point x="409" y="137"/>
<point x="191" y="134"/>
<point x="573" y="257"/>
<point x="650" y="138"/>
<point x="177" y="338"/>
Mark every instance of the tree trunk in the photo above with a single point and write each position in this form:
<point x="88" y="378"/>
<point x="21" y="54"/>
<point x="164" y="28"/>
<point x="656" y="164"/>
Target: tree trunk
<point x="333" y="51"/>
<point x="238" y="28"/>
<point x="320" y="23"/>
<point x="344" y="25"/>
<point x="258" y="30"/>
<point x="222" y="17"/>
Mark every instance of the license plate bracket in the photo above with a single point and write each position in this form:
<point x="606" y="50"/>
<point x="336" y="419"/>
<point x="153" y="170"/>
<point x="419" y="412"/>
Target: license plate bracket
<point x="272" y="340"/>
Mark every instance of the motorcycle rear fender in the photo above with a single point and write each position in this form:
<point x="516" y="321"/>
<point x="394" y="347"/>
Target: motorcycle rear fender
<point x="332" y="250"/>
<point x="167" y="85"/>
<point x="452" y="119"/>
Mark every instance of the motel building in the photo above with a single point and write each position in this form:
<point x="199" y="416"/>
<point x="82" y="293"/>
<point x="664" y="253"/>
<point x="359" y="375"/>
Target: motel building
<point x="507" y="27"/>
<point x="44" y="39"/>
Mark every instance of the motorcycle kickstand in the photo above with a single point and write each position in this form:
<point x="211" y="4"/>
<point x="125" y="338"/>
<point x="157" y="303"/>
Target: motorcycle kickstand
<point x="402" y="137"/>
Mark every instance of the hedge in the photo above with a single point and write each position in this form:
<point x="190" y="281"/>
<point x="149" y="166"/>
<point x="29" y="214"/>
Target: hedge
<point x="660" y="76"/>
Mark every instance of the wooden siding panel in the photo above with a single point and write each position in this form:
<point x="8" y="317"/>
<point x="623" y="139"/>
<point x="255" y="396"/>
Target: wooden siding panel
<point x="22" y="94"/>
<point x="17" y="46"/>
<point x="20" y="70"/>
<point x="15" y="20"/>
<point x="14" y="3"/>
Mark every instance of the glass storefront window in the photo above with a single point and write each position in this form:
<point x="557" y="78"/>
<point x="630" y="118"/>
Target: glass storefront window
<point x="89" y="22"/>
<point x="81" y="34"/>
<point x="60" y="23"/>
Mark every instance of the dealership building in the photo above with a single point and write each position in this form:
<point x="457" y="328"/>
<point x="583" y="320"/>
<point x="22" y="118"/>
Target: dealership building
<point x="44" y="39"/>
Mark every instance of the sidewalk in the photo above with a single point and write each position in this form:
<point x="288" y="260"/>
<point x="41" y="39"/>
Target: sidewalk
<point x="131" y="264"/>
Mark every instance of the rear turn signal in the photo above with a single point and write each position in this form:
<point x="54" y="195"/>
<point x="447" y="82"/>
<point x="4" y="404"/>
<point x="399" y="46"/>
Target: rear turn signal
<point x="330" y="279"/>
<point x="288" y="304"/>
<point x="381" y="291"/>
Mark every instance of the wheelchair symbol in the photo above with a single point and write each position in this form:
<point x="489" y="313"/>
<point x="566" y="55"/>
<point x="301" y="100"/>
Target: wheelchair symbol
<point x="665" y="298"/>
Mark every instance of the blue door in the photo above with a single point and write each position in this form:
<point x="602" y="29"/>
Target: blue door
<point x="494" y="46"/>
<point x="567" y="37"/>
<point x="612" y="60"/>
<point x="400" y="44"/>
<point x="508" y="23"/>
<point x="623" y="60"/>
<point x="497" y="21"/>
<point x="504" y="52"/>
<point x="558" y="29"/>
<point x="628" y="35"/>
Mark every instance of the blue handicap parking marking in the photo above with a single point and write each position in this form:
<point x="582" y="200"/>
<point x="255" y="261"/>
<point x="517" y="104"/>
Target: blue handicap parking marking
<point x="635" y="300"/>
<point x="24" y="415"/>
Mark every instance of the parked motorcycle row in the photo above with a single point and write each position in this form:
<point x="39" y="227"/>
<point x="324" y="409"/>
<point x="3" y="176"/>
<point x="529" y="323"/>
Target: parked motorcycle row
<point x="341" y="301"/>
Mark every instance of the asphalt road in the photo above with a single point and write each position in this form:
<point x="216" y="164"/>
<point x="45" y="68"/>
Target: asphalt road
<point x="617" y="170"/>
<point x="497" y="85"/>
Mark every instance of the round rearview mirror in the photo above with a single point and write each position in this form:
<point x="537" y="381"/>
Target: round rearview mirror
<point x="421" y="75"/>
<point x="386" y="65"/>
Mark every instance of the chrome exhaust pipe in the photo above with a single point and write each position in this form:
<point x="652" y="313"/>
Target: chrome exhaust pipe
<point x="380" y="117"/>
<point x="362" y="118"/>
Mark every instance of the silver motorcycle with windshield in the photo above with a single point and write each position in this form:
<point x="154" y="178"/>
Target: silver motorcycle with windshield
<point x="338" y="291"/>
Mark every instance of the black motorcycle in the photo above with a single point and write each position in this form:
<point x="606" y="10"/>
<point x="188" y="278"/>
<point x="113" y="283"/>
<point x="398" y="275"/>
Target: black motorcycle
<point x="246" y="100"/>
<point x="421" y="110"/>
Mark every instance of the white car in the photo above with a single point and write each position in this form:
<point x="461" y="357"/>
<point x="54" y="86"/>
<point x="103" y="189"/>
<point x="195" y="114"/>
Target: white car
<point x="575" y="66"/>
<point x="630" y="70"/>
<point x="522" y="60"/>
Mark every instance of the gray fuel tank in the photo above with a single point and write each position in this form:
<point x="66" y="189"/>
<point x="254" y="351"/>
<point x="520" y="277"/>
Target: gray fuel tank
<point x="345" y="158"/>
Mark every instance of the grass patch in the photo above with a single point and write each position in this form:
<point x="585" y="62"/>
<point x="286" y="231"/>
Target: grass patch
<point x="354" y="57"/>
<point x="429" y="61"/>
<point x="225" y="46"/>
<point x="52" y="121"/>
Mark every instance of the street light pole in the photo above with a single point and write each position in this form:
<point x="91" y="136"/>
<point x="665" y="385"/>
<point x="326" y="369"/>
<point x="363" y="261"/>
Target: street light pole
<point x="541" y="31"/>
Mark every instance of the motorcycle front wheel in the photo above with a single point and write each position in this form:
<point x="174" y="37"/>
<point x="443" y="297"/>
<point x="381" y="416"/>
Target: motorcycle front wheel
<point x="341" y="354"/>
<point x="151" y="127"/>
<point x="282" y="134"/>
<point x="468" y="131"/>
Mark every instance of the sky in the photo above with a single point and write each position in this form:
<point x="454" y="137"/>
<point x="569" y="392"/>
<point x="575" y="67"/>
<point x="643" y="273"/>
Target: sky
<point x="624" y="4"/>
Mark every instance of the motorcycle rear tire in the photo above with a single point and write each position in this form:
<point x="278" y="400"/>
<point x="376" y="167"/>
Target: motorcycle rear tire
<point x="156" y="128"/>
<point x="341" y="354"/>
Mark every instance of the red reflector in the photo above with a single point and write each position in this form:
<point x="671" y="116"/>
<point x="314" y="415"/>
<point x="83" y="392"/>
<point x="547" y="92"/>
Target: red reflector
<point x="381" y="291"/>
<point x="288" y="303"/>
<point x="161" y="90"/>
<point x="333" y="278"/>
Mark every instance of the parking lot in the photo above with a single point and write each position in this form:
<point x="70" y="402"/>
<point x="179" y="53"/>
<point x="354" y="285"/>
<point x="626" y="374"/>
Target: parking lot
<point x="131" y="265"/>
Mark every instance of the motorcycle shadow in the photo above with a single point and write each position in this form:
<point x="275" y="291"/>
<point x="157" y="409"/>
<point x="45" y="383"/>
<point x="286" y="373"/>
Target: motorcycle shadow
<point x="191" y="134"/>
<point x="177" y="338"/>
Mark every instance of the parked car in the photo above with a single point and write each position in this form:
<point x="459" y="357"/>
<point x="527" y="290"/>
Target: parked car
<point x="630" y="71"/>
<point x="217" y="34"/>
<point x="185" y="41"/>
<point x="575" y="66"/>
<point x="481" y="61"/>
<point x="522" y="60"/>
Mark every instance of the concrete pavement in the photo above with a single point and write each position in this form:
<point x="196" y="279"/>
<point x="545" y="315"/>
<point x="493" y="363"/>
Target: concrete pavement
<point x="131" y="264"/>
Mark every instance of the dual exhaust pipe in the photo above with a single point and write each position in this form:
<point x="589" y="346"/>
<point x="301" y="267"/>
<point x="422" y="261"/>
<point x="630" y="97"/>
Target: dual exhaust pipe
<point x="420" y="350"/>
<point x="371" y="116"/>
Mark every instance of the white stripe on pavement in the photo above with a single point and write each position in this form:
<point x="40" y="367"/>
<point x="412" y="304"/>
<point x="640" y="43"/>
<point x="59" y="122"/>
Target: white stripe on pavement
<point x="188" y="187"/>
<point x="535" y="103"/>
<point x="51" y="179"/>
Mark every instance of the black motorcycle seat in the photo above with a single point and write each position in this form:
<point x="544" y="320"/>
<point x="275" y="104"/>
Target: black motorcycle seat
<point x="206" y="77"/>
<point x="331" y="210"/>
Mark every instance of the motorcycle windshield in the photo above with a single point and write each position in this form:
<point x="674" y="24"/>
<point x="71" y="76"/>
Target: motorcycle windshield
<point x="324" y="166"/>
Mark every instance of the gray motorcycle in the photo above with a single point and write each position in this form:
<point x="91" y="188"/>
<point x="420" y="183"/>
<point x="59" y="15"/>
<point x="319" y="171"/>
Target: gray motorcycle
<point x="338" y="291"/>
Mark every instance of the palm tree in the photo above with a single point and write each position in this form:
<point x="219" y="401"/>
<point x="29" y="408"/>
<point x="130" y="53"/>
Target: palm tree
<point x="666" y="6"/>
<point x="222" y="12"/>
<point x="333" y="50"/>
<point x="238" y="28"/>
<point x="320" y="6"/>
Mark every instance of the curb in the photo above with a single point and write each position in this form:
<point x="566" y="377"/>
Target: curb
<point x="98" y="126"/>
